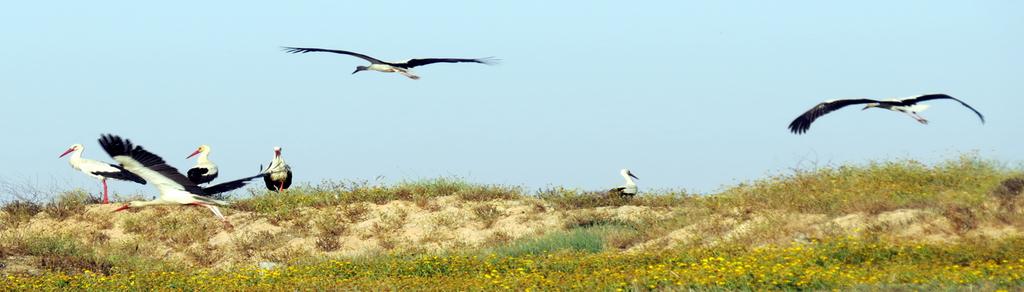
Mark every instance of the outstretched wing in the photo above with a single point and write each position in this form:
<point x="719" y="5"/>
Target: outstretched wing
<point x="927" y="97"/>
<point x="229" y="186"/>
<point x="146" y="165"/>
<point x="421" y="62"/>
<point x="294" y="50"/>
<point x="802" y="123"/>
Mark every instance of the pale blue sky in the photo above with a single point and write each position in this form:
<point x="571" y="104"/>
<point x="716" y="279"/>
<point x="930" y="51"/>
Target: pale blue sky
<point x="687" y="95"/>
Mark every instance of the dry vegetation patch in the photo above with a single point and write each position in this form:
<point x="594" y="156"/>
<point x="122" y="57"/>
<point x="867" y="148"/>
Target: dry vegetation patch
<point x="955" y="201"/>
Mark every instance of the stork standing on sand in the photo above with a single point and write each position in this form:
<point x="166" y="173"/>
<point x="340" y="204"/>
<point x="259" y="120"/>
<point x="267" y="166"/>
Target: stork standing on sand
<point x="204" y="171"/>
<point x="392" y="67"/>
<point x="629" y="190"/>
<point x="908" y="106"/>
<point x="279" y="174"/>
<point x="175" y="188"/>
<point x="98" y="170"/>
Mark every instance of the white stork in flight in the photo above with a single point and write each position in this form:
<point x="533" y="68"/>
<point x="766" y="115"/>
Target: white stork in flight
<point x="908" y="106"/>
<point x="204" y="171"/>
<point x="279" y="174"/>
<point x="175" y="188"/>
<point x="629" y="190"/>
<point x="98" y="170"/>
<point x="392" y="67"/>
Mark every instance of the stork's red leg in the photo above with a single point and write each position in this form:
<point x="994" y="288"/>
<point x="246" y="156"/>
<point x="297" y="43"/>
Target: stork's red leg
<point x="105" y="200"/>
<point x="281" y="187"/>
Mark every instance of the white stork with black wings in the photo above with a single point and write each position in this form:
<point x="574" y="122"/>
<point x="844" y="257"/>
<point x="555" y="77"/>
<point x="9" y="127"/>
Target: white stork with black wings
<point x="98" y="170"/>
<point x="629" y="190"/>
<point x="175" y="188"/>
<point x="205" y="170"/>
<point x="908" y="106"/>
<point x="392" y="67"/>
<point x="279" y="174"/>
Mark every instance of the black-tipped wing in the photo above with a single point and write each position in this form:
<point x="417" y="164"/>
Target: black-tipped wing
<point x="802" y="123"/>
<point x="927" y="97"/>
<point x="146" y="165"/>
<point x="122" y="174"/>
<point x="294" y="50"/>
<point x="421" y="62"/>
<point x="228" y="186"/>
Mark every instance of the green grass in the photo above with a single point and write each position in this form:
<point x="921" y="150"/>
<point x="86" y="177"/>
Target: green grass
<point x="580" y="239"/>
<point x="587" y="237"/>
<point x="873" y="188"/>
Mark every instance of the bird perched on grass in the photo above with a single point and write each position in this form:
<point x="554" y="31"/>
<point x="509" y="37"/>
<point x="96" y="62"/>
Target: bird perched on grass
<point x="392" y="67"/>
<point x="908" y="106"/>
<point x="627" y="191"/>
<point x="279" y="174"/>
<point x="98" y="170"/>
<point x="204" y="171"/>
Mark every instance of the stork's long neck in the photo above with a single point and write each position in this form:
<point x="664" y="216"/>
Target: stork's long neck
<point x="629" y="180"/>
<point x="76" y="157"/>
<point x="204" y="158"/>
<point x="277" y="164"/>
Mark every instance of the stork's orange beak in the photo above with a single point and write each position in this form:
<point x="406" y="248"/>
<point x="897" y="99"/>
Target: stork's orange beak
<point x="122" y="208"/>
<point x="193" y="154"/>
<point x="66" y="152"/>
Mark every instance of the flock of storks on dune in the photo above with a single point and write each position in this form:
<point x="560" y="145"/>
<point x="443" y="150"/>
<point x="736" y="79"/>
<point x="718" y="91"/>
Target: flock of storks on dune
<point x="139" y="165"/>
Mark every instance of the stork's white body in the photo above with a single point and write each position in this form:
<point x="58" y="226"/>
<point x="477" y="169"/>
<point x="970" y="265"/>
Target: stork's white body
<point x="383" y="68"/>
<point x="89" y="166"/>
<point x="203" y="161"/>
<point x="279" y="175"/>
<point x="278" y="169"/>
<point x="171" y="193"/>
<point x="96" y="169"/>
<point x="909" y="110"/>
<point x="630" y="187"/>
<point x="392" y="69"/>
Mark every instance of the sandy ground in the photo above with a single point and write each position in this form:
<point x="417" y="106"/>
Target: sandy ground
<point x="449" y="224"/>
